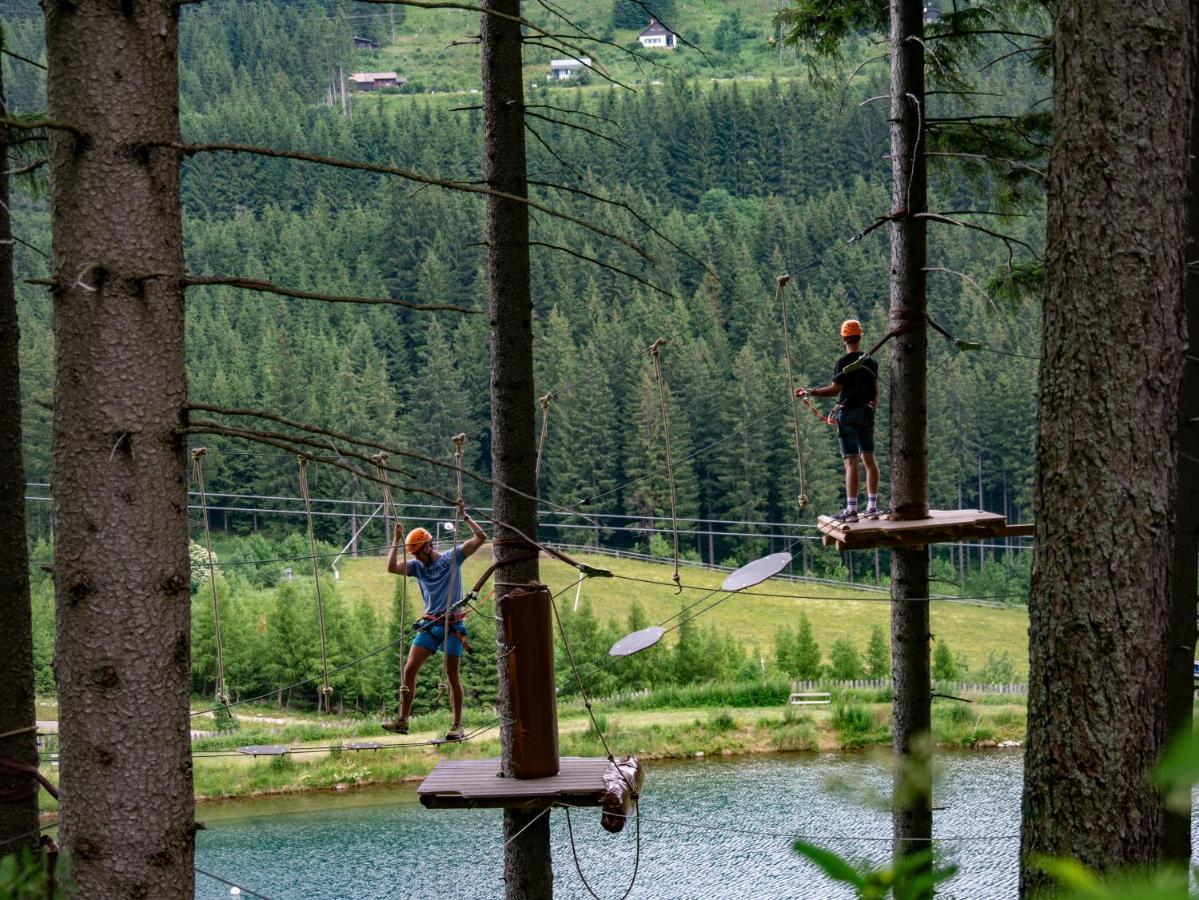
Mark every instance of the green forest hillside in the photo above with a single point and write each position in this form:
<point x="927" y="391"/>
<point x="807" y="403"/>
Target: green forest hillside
<point x="719" y="186"/>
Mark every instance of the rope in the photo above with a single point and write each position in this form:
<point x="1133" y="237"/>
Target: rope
<point x="636" y="856"/>
<point x="781" y="295"/>
<point x="578" y="679"/>
<point x="326" y="690"/>
<point x="389" y="512"/>
<point x="457" y="440"/>
<point x="814" y="410"/>
<point x="545" y="421"/>
<point x="198" y="472"/>
<point x="674" y="519"/>
<point x="245" y="891"/>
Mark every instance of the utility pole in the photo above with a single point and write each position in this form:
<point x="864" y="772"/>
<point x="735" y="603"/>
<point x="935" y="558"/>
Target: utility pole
<point x="528" y="867"/>
<point x="911" y="815"/>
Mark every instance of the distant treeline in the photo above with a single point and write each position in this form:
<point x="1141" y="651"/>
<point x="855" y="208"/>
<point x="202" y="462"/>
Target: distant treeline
<point x="748" y="182"/>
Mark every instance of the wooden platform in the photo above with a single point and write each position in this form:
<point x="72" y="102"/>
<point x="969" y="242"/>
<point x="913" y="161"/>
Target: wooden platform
<point x="470" y="783"/>
<point x="940" y="526"/>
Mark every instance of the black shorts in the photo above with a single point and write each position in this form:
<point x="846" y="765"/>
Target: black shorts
<point x="855" y="431"/>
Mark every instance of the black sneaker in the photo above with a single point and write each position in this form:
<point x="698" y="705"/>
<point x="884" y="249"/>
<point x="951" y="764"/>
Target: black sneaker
<point x="847" y="515"/>
<point x="871" y="512"/>
<point x="399" y="726"/>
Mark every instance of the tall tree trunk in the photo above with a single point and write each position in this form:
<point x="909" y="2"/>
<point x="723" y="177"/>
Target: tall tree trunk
<point x="528" y="868"/>
<point x="911" y="817"/>
<point x="16" y="626"/>
<point x="1185" y="570"/>
<point x="1105" y="485"/>
<point x="119" y="472"/>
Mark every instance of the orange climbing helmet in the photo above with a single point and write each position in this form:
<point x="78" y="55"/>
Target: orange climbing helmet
<point x="416" y="539"/>
<point x="851" y="328"/>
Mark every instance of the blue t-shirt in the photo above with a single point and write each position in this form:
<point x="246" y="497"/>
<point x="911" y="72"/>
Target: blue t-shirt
<point x="437" y="579"/>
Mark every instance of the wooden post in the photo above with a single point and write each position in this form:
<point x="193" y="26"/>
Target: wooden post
<point x="528" y="867"/>
<point x="911" y="708"/>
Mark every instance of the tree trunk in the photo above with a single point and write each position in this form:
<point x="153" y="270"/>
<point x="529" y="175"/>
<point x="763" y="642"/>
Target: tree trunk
<point x="1105" y="483"/>
<point x="528" y="869"/>
<point x="16" y="627"/>
<point x="1185" y="570"/>
<point x="911" y="817"/>
<point x="119" y="472"/>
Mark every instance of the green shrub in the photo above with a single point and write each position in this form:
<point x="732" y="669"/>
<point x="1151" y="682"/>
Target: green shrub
<point x="851" y="720"/>
<point x="722" y="721"/>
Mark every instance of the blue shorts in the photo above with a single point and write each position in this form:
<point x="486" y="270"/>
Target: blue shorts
<point x="855" y="431"/>
<point x="432" y="637"/>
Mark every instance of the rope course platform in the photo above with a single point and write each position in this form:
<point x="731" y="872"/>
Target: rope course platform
<point x="473" y="783"/>
<point x="940" y="526"/>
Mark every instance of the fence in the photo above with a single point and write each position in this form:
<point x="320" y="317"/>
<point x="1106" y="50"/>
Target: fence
<point x="882" y="684"/>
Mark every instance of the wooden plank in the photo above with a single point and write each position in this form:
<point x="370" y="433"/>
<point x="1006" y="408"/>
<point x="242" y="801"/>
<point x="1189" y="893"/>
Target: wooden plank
<point x="470" y="783"/>
<point x="939" y="526"/>
<point x="264" y="750"/>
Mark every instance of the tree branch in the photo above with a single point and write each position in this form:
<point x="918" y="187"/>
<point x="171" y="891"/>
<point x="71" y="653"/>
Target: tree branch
<point x="575" y="53"/>
<point x="552" y="152"/>
<point x="24" y="59"/>
<point x="22" y="124"/>
<point x="1006" y="238"/>
<point x="192" y="149"/>
<point x="266" y="287"/>
<point x="31" y="167"/>
<point x="619" y="143"/>
<point x="604" y="265"/>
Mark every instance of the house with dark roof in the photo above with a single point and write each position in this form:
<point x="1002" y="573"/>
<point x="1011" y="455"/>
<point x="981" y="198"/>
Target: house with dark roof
<point x="657" y="36"/>
<point x="373" y="81"/>
<point x="365" y="43"/>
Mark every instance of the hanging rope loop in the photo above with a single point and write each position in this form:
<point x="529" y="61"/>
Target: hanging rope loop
<point x="198" y="473"/>
<point x="326" y="689"/>
<point x="655" y="352"/>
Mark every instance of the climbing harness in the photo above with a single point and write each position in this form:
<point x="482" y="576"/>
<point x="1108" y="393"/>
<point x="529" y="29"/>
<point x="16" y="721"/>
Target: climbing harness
<point x="326" y="690"/>
<point x="780" y="294"/>
<point x="198" y="473"/>
<point x="654" y="350"/>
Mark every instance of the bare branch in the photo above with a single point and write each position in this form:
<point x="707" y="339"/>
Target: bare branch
<point x="587" y="36"/>
<point x="37" y="124"/>
<point x="350" y="439"/>
<point x="266" y="287"/>
<point x="191" y="149"/>
<point x="682" y="40"/>
<point x="854" y="74"/>
<point x="1015" y="164"/>
<point x="1015" y="52"/>
<point x="604" y="265"/>
<point x="1006" y="238"/>
<point x="621" y="144"/>
<point x="37" y="250"/>
<point x="573" y="112"/>
<point x="945" y="35"/>
<point x="32" y="167"/>
<point x="24" y="59"/>
<point x="575" y="53"/>
<point x="552" y="152"/>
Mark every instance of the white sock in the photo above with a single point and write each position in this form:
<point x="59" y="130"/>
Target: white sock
<point x="851" y="502"/>
<point x="872" y="500"/>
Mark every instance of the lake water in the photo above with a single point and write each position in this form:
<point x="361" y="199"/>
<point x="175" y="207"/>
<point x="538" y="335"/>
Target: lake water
<point x="710" y="828"/>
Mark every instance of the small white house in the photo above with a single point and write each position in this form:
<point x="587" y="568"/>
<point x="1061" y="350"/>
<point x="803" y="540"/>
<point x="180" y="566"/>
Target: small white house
<point x="932" y="15"/>
<point x="658" y="36"/>
<point x="561" y="69"/>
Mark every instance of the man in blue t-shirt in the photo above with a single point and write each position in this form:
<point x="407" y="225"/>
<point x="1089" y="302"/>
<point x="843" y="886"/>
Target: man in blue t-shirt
<point x="440" y="578"/>
<point x="857" y="393"/>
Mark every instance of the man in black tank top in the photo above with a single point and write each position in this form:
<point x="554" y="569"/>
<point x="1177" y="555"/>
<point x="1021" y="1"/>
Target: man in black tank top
<point x="857" y="393"/>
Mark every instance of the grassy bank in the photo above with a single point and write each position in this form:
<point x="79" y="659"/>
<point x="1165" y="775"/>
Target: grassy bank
<point x="856" y="721"/>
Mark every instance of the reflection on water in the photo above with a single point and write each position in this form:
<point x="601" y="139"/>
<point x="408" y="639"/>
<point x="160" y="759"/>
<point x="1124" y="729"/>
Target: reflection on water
<point x="383" y="844"/>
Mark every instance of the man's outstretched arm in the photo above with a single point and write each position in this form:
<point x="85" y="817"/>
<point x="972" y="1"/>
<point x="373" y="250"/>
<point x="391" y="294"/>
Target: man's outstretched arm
<point x="478" y="537"/>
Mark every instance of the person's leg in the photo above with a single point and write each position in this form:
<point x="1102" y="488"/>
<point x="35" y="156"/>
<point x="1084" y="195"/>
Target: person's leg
<point x="417" y="655"/>
<point x="871" y="465"/>
<point x="452" y="667"/>
<point x="851" y="481"/>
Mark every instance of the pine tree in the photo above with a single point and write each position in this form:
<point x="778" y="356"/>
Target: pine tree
<point x="844" y="662"/>
<point x="878" y="654"/>
<point x="807" y="651"/>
